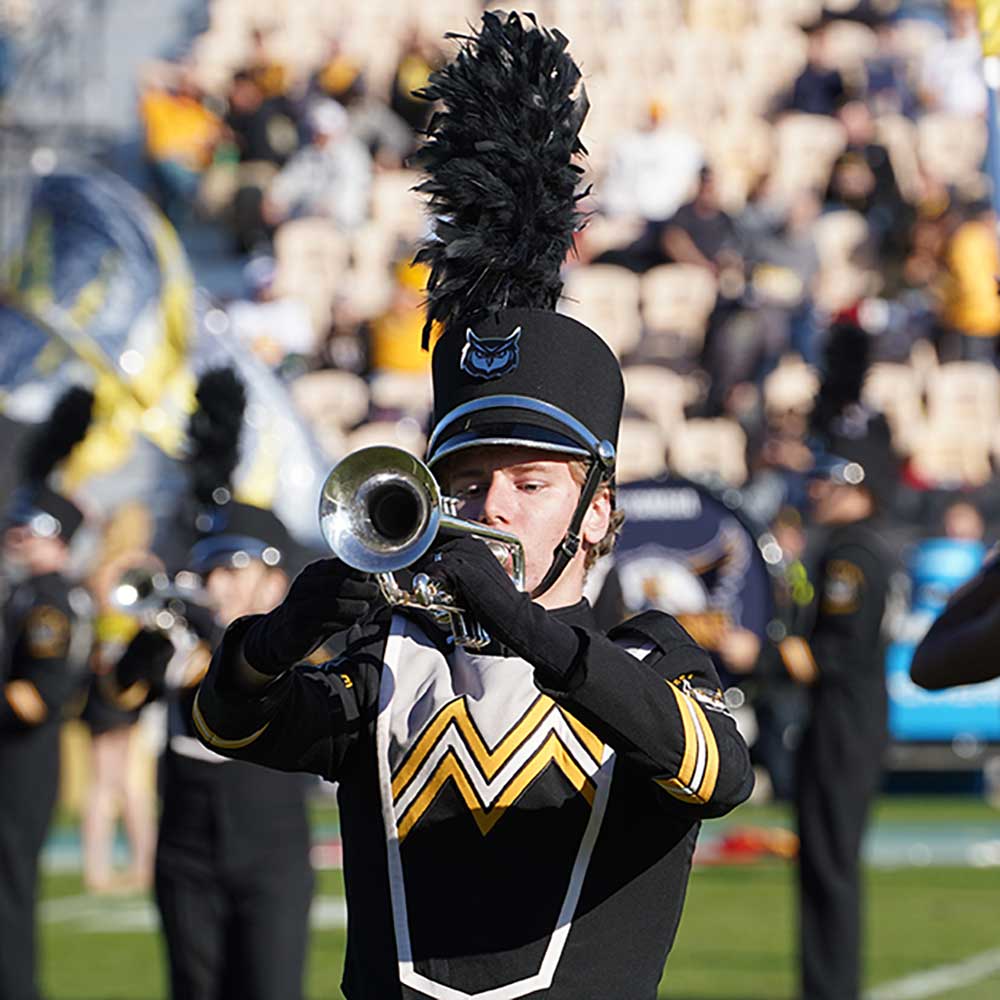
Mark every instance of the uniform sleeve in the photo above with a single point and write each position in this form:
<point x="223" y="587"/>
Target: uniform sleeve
<point x="307" y="719"/>
<point x="663" y="713"/>
<point x="40" y="682"/>
<point x="852" y="596"/>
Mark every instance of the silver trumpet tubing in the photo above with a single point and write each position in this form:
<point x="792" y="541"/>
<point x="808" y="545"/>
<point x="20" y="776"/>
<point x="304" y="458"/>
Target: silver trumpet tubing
<point x="157" y="601"/>
<point x="381" y="509"/>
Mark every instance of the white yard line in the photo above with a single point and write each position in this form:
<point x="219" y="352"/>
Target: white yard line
<point x="137" y="915"/>
<point x="940" y="980"/>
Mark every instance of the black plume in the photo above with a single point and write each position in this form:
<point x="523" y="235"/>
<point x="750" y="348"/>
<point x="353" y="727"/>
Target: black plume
<point x="845" y="365"/>
<point x="214" y="433"/>
<point x="500" y="177"/>
<point x="66" y="427"/>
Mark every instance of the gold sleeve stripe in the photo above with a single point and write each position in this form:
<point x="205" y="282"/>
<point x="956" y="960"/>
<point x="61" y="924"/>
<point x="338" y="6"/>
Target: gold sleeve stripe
<point x="798" y="659"/>
<point x="711" y="775"/>
<point x="699" y="771"/>
<point x="27" y="703"/>
<point x="213" y="739"/>
<point x="486" y="817"/>
<point x="689" y="761"/>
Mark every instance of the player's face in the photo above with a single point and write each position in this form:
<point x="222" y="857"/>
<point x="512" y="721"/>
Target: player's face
<point x="249" y="590"/>
<point x="532" y="495"/>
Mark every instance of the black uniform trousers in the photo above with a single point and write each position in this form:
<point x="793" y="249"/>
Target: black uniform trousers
<point x="29" y="782"/>
<point x="838" y="776"/>
<point x="233" y="880"/>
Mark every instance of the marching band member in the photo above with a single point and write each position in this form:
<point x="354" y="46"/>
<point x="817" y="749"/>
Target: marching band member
<point x="517" y="820"/>
<point x="37" y="679"/>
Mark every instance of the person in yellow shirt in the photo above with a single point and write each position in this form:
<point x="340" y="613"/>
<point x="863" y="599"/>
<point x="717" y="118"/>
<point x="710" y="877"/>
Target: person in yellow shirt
<point x="970" y="307"/>
<point x="180" y="134"/>
<point x="394" y="336"/>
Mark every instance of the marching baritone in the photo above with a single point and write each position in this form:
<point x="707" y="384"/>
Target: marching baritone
<point x="517" y="819"/>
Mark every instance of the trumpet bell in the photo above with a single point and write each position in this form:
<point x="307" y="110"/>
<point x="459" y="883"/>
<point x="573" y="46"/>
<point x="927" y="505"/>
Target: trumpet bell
<point x="380" y="509"/>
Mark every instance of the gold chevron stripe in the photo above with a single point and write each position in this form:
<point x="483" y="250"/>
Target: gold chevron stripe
<point x="591" y="743"/>
<point x="486" y="817"/>
<point x="490" y="761"/>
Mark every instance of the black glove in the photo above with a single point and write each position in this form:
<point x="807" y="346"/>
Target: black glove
<point x="470" y="572"/>
<point x="326" y="597"/>
<point x="145" y="659"/>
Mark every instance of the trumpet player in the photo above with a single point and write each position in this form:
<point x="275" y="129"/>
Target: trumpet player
<point x="518" y="820"/>
<point x="232" y="875"/>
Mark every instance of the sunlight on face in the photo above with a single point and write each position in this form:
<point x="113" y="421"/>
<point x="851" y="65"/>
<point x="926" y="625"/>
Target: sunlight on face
<point x="528" y="493"/>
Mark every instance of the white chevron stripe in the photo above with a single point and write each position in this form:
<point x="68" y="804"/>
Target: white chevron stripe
<point x="489" y="791"/>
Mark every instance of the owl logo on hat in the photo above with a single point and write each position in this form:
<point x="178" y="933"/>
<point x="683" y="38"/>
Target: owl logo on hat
<point x="490" y="357"/>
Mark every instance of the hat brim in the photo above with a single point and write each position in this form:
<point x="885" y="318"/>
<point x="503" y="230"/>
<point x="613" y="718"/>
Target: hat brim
<point x="513" y="421"/>
<point x="234" y="551"/>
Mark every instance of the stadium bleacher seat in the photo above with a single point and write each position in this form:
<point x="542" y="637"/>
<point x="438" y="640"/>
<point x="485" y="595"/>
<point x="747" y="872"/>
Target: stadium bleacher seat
<point x="605" y="298"/>
<point x="641" y="451"/>
<point x="658" y="394"/>
<point x="677" y="300"/>
<point x="709" y="449"/>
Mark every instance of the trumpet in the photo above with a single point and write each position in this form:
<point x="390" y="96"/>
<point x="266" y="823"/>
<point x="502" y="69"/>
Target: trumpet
<point x="381" y="510"/>
<point x="149" y="594"/>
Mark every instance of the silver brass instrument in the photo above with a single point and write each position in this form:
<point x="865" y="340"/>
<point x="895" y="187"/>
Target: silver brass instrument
<point x="149" y="594"/>
<point x="381" y="509"/>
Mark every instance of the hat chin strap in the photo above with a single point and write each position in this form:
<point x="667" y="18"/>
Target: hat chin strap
<point x="601" y="466"/>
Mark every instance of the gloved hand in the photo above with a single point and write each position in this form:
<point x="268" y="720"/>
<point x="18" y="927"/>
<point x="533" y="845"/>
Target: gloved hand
<point x="145" y="659"/>
<point x="470" y="572"/>
<point x="326" y="597"/>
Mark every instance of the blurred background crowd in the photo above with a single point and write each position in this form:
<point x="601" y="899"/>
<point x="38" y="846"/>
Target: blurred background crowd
<point x="757" y="172"/>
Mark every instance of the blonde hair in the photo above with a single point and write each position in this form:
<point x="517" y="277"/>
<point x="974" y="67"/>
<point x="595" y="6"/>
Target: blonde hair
<point x="579" y="468"/>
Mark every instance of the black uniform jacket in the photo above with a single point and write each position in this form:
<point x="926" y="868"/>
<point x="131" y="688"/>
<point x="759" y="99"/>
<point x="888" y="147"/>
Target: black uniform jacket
<point x="500" y="835"/>
<point x="35" y="676"/>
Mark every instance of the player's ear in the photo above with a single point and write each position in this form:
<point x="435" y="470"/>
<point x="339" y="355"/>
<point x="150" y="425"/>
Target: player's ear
<point x="597" y="520"/>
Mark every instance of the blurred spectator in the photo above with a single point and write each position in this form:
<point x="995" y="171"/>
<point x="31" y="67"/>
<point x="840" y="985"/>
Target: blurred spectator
<point x="863" y="181"/>
<point x="266" y="135"/>
<point x="272" y="327"/>
<point x="652" y="171"/>
<point x="887" y="79"/>
<point x="340" y="78"/>
<point x="263" y="128"/>
<point x="819" y="88"/>
<point x="701" y="233"/>
<point x="394" y="336"/>
<point x="181" y="134"/>
<point x="951" y="77"/>
<point x="270" y="74"/>
<point x="962" y="520"/>
<point x="330" y="177"/>
<point x="416" y="63"/>
<point x="970" y="304"/>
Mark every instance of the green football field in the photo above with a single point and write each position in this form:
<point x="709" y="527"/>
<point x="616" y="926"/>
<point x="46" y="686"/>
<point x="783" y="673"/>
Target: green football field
<point x="933" y="919"/>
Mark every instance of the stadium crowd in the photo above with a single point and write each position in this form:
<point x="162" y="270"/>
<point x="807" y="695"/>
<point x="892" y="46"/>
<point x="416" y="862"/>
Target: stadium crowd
<point x="757" y="170"/>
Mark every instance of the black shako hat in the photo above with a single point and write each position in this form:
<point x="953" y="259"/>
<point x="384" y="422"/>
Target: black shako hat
<point x="502" y="192"/>
<point x="525" y="377"/>
<point x="239" y="534"/>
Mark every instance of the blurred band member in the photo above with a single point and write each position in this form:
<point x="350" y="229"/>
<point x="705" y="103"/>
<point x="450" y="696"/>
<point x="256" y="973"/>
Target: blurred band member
<point x="233" y="877"/>
<point x="36" y="681"/>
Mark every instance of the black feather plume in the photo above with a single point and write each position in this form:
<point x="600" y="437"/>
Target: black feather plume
<point x="66" y="427"/>
<point x="500" y="178"/>
<point x="845" y="365"/>
<point x="214" y="433"/>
